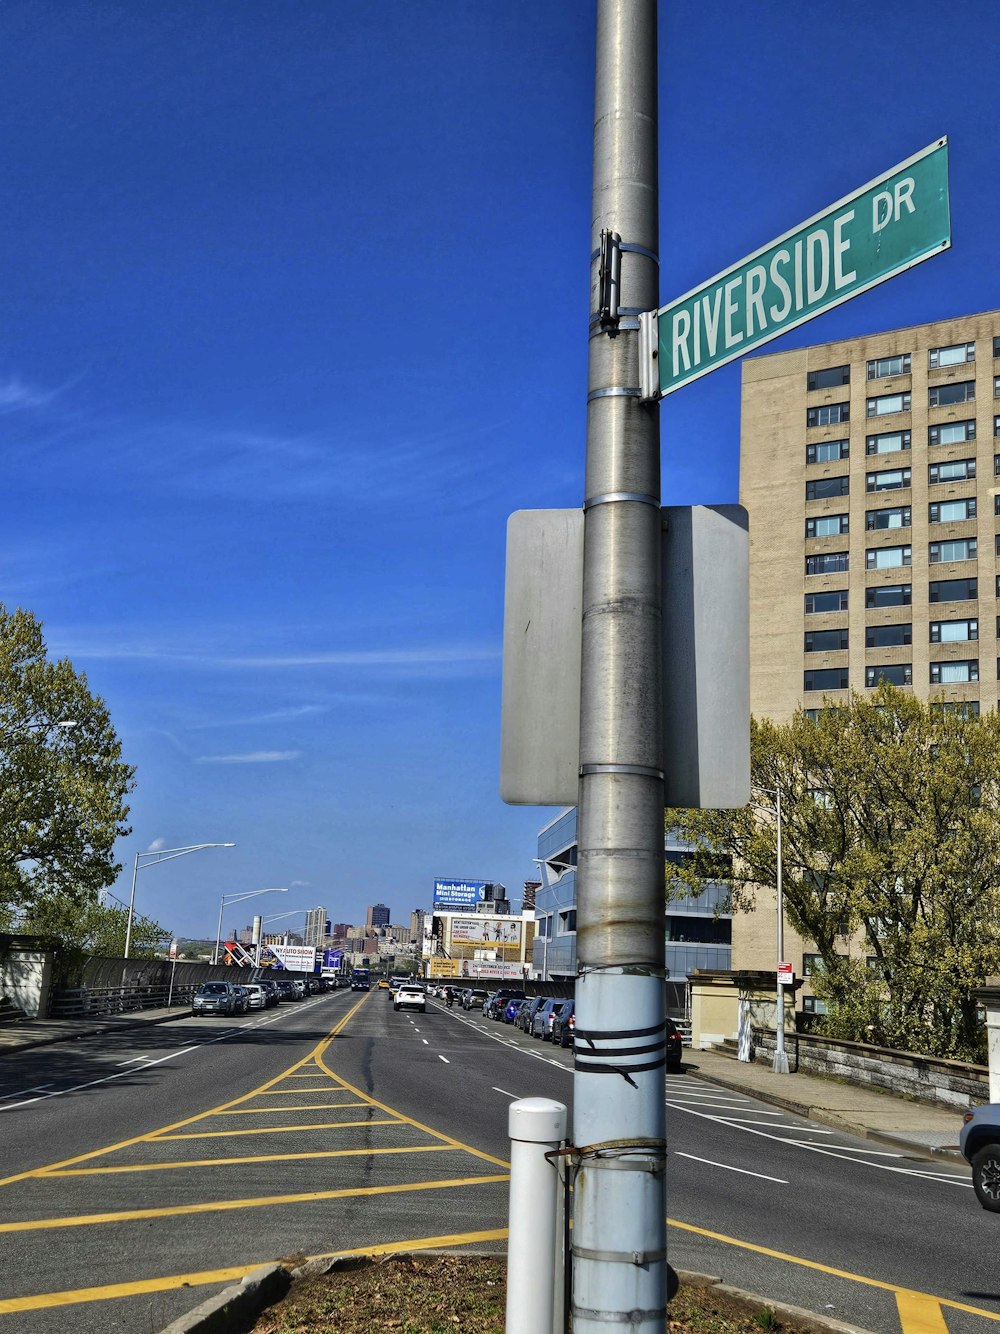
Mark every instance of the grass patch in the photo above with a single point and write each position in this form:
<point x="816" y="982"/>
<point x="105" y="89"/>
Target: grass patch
<point x="464" y="1294"/>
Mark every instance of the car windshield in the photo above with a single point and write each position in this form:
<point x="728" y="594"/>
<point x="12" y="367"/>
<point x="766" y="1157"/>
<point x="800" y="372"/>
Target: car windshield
<point x="214" y="988"/>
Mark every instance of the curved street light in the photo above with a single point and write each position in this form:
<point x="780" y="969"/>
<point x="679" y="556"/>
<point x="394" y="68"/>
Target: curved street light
<point x="235" y="898"/>
<point x="163" y="855"/>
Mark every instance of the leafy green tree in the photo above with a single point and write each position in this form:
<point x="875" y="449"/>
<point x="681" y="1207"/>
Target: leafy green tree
<point x="95" y="928"/>
<point x="891" y="836"/>
<point x="63" y="782"/>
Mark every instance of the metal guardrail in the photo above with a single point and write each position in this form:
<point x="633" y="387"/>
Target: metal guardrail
<point x="86" y="1002"/>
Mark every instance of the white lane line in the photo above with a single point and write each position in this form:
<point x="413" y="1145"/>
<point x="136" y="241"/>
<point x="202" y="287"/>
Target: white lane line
<point x="445" y="1059"/>
<point x="91" y="1083"/>
<point x="742" y="1121"/>
<point x="742" y="1170"/>
<point x="424" y="1041"/>
<point x="131" y="1060"/>
<point x="723" y="1106"/>
<point x="516" y="1046"/>
<point x="505" y="1093"/>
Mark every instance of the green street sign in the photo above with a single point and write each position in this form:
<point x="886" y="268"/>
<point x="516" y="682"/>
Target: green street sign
<point x="887" y="226"/>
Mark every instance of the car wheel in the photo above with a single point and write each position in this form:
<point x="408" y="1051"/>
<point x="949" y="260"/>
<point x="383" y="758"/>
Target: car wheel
<point x="986" y="1176"/>
<point x="563" y="1042"/>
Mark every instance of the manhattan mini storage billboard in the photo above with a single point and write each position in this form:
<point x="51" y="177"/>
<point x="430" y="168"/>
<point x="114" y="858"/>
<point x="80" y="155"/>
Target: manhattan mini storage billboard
<point x="459" y="893"/>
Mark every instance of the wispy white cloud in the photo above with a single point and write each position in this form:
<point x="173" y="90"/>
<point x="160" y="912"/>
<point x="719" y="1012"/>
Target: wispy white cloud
<point x="251" y="757"/>
<point x="409" y="657"/>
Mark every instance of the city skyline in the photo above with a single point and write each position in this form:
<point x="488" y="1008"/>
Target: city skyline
<point x="296" y="313"/>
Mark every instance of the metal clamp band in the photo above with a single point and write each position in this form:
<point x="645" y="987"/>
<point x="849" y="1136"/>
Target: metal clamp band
<point x="632" y="249"/>
<point x="641" y="770"/>
<point x="615" y="391"/>
<point x="620" y="1257"/>
<point x="628" y="322"/>
<point x="611" y="497"/>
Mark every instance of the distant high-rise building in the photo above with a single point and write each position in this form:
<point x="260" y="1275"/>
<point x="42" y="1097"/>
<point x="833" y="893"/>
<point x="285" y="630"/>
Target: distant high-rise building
<point x="530" y="889"/>
<point x="340" y="930"/>
<point x="417" y="923"/>
<point x="315" y="928"/>
<point x="378" y="915"/>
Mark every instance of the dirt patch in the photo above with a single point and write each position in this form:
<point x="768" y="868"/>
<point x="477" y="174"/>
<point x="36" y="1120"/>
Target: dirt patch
<point x="452" y="1294"/>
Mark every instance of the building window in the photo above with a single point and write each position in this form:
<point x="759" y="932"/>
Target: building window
<point x="996" y="386"/>
<point x="894" y="518"/>
<point x="888" y="595"/>
<point x="954" y="673"/>
<point x="835" y="600"/>
<point x="952" y="511"/>
<point x="953" y="632"/>
<point x="886" y="558"/>
<point x="813" y="1005"/>
<point x="825" y="487"/>
<point x="830" y="562"/>
<point x="888" y="636"/>
<point x="828" y="451"/>
<point x="827" y="525"/>
<point x="567" y="922"/>
<point x="893" y="479"/>
<point x="883" y="405"/>
<point x="942" y="395"/>
<point x="952" y="433"/>
<point x="963" y="548"/>
<point x="826" y="678"/>
<point x="996" y="347"/>
<point x="959" y="470"/>
<point x="964" y="708"/>
<point x="955" y="355"/>
<point x="825" y="641"/>
<point x="830" y="378"/>
<point x="830" y="414"/>
<point x="812" y="965"/>
<point x="888" y="442"/>
<point x="895" y="673"/>
<point x="954" y="590"/>
<point x="996" y="425"/>
<point x="885" y="366"/>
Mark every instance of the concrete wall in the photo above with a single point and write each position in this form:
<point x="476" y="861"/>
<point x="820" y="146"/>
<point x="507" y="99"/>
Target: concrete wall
<point x="952" y="1084"/>
<point x="26" y="978"/>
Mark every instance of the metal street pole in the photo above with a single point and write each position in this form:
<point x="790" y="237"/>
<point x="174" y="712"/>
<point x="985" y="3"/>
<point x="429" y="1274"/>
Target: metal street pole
<point x="780" y="1064"/>
<point x="619" y="1225"/>
<point x="154" y="859"/>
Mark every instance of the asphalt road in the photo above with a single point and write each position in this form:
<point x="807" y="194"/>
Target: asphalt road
<point x="184" y="1152"/>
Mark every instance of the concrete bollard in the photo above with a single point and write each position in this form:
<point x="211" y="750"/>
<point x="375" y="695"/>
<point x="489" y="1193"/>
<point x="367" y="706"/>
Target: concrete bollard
<point x="534" y="1248"/>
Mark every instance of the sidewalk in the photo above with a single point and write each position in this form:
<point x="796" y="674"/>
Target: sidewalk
<point x="20" y="1034"/>
<point x="868" y="1112"/>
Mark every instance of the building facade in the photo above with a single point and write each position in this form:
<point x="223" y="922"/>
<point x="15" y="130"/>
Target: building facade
<point x="315" y="931"/>
<point x="377" y="915"/>
<point x="698" y="927"/>
<point x="870" y="469"/>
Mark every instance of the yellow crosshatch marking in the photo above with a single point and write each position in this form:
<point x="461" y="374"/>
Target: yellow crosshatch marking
<point x="255" y="1158"/>
<point x="276" y="1130"/>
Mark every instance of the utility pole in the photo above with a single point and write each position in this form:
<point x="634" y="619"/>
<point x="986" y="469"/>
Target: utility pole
<point x="619" y="1226"/>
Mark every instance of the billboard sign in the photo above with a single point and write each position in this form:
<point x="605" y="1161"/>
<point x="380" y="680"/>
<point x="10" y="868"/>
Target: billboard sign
<point x="459" y="893"/>
<point x="485" y="930"/>
<point x="296" y="958"/>
<point x="332" y="959"/>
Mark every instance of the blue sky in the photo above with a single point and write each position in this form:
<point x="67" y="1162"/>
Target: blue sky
<point x="294" y="316"/>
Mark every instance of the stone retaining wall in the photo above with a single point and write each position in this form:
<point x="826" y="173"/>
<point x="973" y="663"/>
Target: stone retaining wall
<point x="952" y="1084"/>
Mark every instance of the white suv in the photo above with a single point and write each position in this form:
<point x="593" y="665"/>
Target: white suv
<point x="409" y="997"/>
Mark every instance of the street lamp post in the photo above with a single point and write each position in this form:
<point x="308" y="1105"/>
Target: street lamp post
<point x="235" y="898"/>
<point x="273" y="917"/>
<point x="780" y="1064"/>
<point x="163" y="855"/>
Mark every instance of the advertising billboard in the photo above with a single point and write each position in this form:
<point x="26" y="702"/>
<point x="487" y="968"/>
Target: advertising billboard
<point x="485" y="930"/>
<point x="332" y="959"/>
<point x="296" y="958"/>
<point x="459" y="893"/>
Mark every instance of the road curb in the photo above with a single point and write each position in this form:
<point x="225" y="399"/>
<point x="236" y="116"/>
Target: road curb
<point x="887" y="1137"/>
<point x="237" y="1307"/>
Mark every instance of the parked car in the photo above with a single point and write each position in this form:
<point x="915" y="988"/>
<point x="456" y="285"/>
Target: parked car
<point x="674" y="1045"/>
<point x="270" y="989"/>
<point x="527" y="1012"/>
<point x="301" y="990"/>
<point x="255" y="995"/>
<point x="473" y="998"/>
<point x="286" y="989"/>
<point x="498" y="1002"/>
<point x="511" y="1009"/>
<point x="541" y="1020"/>
<point x="214" y="998"/>
<point x="242" y="998"/>
<point x="563" y="1024"/>
<point x="979" y="1142"/>
<point x="409" y="997"/>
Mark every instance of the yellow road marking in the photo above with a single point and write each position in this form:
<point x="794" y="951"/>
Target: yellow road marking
<point x="307" y="1107"/>
<point x="920" y="1314"/>
<point x="837" y="1273"/>
<point x="170" y="1282"/>
<point x="200" y="1116"/>
<point x="256" y="1158"/>
<point x="437" y="1134"/>
<point x="222" y="1206"/>
<point x="282" y="1130"/>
